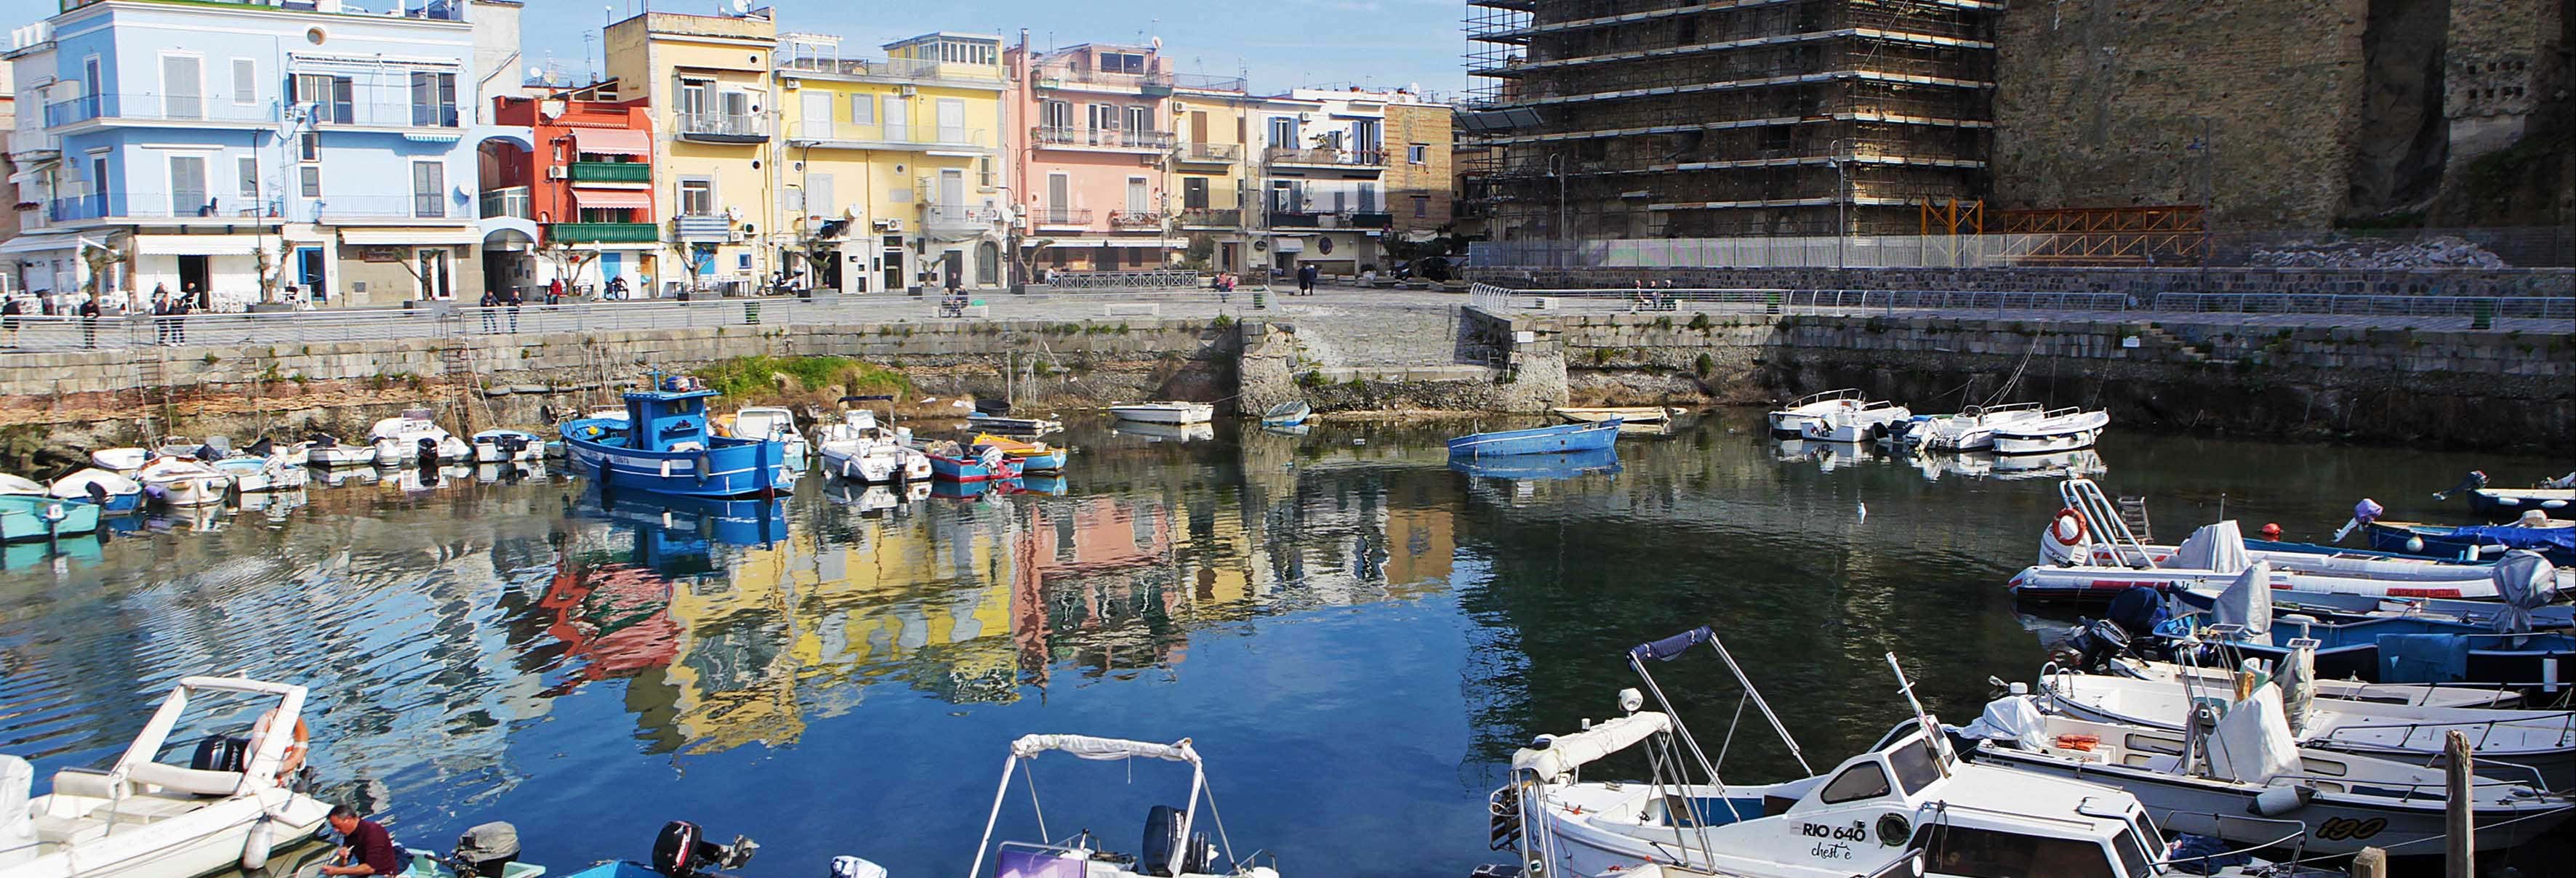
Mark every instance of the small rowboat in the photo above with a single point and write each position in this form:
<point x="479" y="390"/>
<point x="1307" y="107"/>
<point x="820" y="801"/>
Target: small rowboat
<point x="1035" y="457"/>
<point x="1166" y="412"/>
<point x="1287" y="414"/>
<point x="1630" y="414"/>
<point x="1541" y="440"/>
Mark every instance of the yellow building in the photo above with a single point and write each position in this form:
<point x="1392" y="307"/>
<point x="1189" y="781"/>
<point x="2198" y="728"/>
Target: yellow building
<point x="1209" y="170"/>
<point x="707" y="78"/>
<point x="890" y="170"/>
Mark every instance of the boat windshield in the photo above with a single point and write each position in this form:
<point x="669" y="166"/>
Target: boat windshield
<point x="2133" y="853"/>
<point x="1971" y="852"/>
<point x="1916" y="765"/>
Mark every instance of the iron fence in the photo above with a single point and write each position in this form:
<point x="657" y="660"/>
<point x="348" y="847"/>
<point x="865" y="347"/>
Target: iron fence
<point x="1494" y="299"/>
<point x="2526" y="307"/>
<point x="1122" y="280"/>
<point x="2355" y="250"/>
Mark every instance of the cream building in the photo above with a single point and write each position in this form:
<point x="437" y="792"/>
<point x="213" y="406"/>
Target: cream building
<point x="890" y="170"/>
<point x="707" y="78"/>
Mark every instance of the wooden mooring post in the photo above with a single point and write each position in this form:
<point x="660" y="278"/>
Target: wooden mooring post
<point x="2459" y="826"/>
<point x="2370" y="863"/>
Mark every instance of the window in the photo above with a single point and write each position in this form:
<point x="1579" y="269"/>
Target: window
<point x="1987" y="853"/>
<point x="737" y="103"/>
<point x="819" y="198"/>
<point x="1418" y="154"/>
<point x="1283" y="132"/>
<point x="984" y="172"/>
<point x="329" y="98"/>
<point x="309" y="147"/>
<point x="188" y="195"/>
<point x="433" y="100"/>
<point x="1863" y="781"/>
<point x="1915" y="766"/>
<point x="249" y="167"/>
<point x="1421" y="206"/>
<point x="245" y="81"/>
<point x="742" y="261"/>
<point x="695" y="97"/>
<point x="1194" y="193"/>
<point x="1366" y="137"/>
<point x="309" y="181"/>
<point x="98" y="175"/>
<point x="952" y="120"/>
<point x="1139" y="196"/>
<point x="1103" y="116"/>
<point x="428" y="190"/>
<point x="1140" y="119"/>
<point x="697" y="197"/>
<point x="898" y="118"/>
<point x="1368" y="197"/>
<point x="183" y="87"/>
<point x="1128" y="63"/>
<point x="863" y="109"/>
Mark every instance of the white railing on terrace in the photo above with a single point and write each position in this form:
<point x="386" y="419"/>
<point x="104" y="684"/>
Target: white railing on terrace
<point x="1812" y="251"/>
<point x="1496" y="300"/>
<point x="2537" y="307"/>
<point x="1122" y="280"/>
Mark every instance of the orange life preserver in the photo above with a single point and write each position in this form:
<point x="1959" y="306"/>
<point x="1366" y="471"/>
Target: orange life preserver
<point x="2057" y="528"/>
<point x="295" y="752"/>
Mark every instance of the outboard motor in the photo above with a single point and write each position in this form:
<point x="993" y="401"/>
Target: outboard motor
<point x="428" y="451"/>
<point x="2474" y="480"/>
<point x="2096" y="642"/>
<point x="681" y="851"/>
<point x="483" y="850"/>
<point x="260" y="449"/>
<point x="220" y="753"/>
<point x="1164" y="853"/>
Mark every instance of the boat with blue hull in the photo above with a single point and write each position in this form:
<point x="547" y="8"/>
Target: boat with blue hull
<point x="2555" y="540"/>
<point x="1559" y="439"/>
<point x="2503" y="649"/>
<point x="663" y="445"/>
<point x="1567" y="465"/>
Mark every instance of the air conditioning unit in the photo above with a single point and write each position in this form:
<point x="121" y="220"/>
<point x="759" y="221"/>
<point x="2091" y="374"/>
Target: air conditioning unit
<point x="793" y="83"/>
<point x="889" y="225"/>
<point x="558" y="172"/>
<point x="906" y="90"/>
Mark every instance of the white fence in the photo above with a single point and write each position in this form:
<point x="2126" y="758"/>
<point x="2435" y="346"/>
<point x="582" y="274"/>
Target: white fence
<point x="1497" y="300"/>
<point x="1816" y="251"/>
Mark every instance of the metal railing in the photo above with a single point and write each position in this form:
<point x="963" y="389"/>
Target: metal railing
<point x="156" y="205"/>
<point x="506" y="201"/>
<point x="1066" y="73"/>
<point x="1061" y="216"/>
<point x="612" y="172"/>
<point x="1496" y="299"/>
<point x="2352" y="251"/>
<point x="894" y="68"/>
<point x="158" y="108"/>
<point x="1208" y="82"/>
<point x="1324" y="157"/>
<point x="1136" y="219"/>
<point x="1330" y="219"/>
<point x="2540" y="307"/>
<point x="1218" y="217"/>
<point x="1111" y="138"/>
<point x="724" y="125"/>
<point x="925" y="135"/>
<point x="1124" y="280"/>
<point x="604" y="233"/>
<point x="1211" y="153"/>
<point x="383" y="114"/>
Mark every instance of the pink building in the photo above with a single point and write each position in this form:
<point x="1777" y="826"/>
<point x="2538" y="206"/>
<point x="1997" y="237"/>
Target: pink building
<point x="1093" y="155"/>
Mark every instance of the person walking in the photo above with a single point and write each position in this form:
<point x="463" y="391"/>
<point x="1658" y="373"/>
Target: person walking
<point x="554" y="291"/>
<point x="161" y="314"/>
<point x="89" y="321"/>
<point x="1306" y="274"/>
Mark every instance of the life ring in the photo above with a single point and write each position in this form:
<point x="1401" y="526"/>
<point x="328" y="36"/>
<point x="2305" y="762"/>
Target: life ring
<point x="293" y="760"/>
<point x="2057" y="528"/>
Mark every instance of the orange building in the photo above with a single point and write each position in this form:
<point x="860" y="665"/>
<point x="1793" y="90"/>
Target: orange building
<point x="589" y="187"/>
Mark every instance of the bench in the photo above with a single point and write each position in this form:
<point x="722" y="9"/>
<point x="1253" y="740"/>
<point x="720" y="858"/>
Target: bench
<point x="1131" y="309"/>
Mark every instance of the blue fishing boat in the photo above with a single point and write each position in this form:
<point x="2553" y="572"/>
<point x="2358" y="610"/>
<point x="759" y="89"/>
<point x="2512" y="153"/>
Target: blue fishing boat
<point x="1541" y="466"/>
<point x="2503" y="650"/>
<point x="950" y="463"/>
<point x="1541" y="440"/>
<point x="663" y="445"/>
<point x="34" y="517"/>
<point x="2555" y="541"/>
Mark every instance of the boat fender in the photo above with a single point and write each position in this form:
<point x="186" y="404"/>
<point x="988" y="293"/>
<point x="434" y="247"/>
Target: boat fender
<point x="700" y="464"/>
<point x="2277" y="801"/>
<point x="2068" y="529"/>
<point x="255" y="849"/>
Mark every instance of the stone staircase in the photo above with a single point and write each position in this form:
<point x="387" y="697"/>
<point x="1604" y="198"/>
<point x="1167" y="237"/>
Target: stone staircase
<point x="1377" y="337"/>
<point x="2153" y="337"/>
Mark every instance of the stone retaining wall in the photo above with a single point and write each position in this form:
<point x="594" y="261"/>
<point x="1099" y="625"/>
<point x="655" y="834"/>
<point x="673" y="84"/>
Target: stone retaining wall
<point x="2142" y="283"/>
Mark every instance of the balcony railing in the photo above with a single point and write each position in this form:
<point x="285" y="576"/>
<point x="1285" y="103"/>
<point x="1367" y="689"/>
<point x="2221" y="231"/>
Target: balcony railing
<point x="157" y="108"/>
<point x="1207" y="82"/>
<point x="1330" y="219"/>
<point x="1212" y="217"/>
<point x="1065" y="74"/>
<point x="1108" y="138"/>
<point x="1325" y="157"/>
<point x="1061" y="216"/>
<point x="1211" y="153"/>
<point x="604" y="233"/>
<point x="381" y="114"/>
<point x="894" y="68"/>
<point x="821" y="132"/>
<point x="1135" y="219"/>
<point x="958" y="217"/>
<point x="506" y="201"/>
<point x="612" y="172"/>
<point x="164" y="205"/>
<point x="724" y="127"/>
<point x="344" y="207"/>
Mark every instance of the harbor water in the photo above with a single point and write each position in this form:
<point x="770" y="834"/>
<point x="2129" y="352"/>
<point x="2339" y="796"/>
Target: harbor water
<point x="1355" y="635"/>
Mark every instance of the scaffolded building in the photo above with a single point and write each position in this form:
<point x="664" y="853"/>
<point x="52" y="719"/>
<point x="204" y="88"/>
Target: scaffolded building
<point x="1670" y="118"/>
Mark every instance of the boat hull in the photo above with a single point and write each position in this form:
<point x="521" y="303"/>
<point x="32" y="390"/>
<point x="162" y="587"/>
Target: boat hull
<point x="2090" y="584"/>
<point x="1540" y="466"/>
<point x="876" y="464"/>
<point x="1178" y="413"/>
<point x="730" y="468"/>
<point x="341" y="456"/>
<point x="121" y="461"/>
<point x="950" y="469"/>
<point x="2438" y="541"/>
<point x="26" y="517"/>
<point x="2512" y="502"/>
<point x="1564" y="439"/>
<point x="203" y="842"/>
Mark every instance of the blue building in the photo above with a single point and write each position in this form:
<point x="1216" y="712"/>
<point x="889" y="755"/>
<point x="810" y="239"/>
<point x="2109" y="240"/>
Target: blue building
<point x="241" y="147"/>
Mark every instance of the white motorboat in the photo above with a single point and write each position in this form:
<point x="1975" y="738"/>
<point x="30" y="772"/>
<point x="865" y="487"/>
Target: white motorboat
<point x="121" y="461"/>
<point x="2249" y="764"/>
<point x="1200" y="432"/>
<point x="1868" y="421"/>
<point x="1908" y="798"/>
<point x="400" y="439"/>
<point x="143" y="818"/>
<point x="1792" y="419"/>
<point x="256" y="474"/>
<point x="15" y="484"/>
<point x="771" y="423"/>
<point x="1166" y="412"/>
<point x="508" y="446"/>
<point x="2055" y="430"/>
<point x="859" y="449"/>
<point x="1175" y="842"/>
<point x="1647" y="414"/>
<point x="182" y="481"/>
<point x="2417" y="694"/>
<point x="295" y="454"/>
<point x="1972" y="429"/>
<point x="1019" y="426"/>
<point x="112" y="491"/>
<point x="327" y="451"/>
<point x="2542" y="741"/>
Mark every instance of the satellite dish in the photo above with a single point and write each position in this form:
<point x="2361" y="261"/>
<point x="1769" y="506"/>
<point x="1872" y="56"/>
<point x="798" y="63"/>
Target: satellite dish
<point x="536" y="72"/>
<point x="739" y="7"/>
<point x="1158" y="44"/>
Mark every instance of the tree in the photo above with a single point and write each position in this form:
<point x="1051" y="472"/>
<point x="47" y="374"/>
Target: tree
<point x="419" y="267"/>
<point x="1028" y="257"/>
<point x="272" y="268"/>
<point x="696" y="257"/>
<point x="100" y="259"/>
<point x="818" y="248"/>
<point x="567" y="259"/>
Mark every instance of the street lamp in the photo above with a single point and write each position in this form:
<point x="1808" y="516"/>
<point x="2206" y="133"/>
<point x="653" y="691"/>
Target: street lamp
<point x="1839" y="153"/>
<point x="1565" y="236"/>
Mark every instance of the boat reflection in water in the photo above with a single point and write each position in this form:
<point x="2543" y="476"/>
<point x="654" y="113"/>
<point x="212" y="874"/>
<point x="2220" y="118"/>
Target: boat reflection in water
<point x="871" y="499"/>
<point x="1198" y="432"/>
<point x="1565" y="465"/>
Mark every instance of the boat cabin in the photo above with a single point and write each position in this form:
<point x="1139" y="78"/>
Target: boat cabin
<point x="672" y="417"/>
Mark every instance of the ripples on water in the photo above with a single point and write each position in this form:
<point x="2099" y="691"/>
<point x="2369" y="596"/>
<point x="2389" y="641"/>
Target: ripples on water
<point x="1355" y="635"/>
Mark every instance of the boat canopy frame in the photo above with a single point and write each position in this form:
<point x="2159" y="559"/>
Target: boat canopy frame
<point x="1029" y="747"/>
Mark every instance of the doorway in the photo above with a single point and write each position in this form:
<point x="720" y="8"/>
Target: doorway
<point x="193" y="275"/>
<point x="952" y="269"/>
<point x="310" y="273"/>
<point x="890" y="270"/>
<point x="433" y="274"/>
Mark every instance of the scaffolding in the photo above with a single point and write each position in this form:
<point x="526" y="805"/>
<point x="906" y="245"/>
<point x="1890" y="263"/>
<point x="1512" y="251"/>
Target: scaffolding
<point x="1663" y="118"/>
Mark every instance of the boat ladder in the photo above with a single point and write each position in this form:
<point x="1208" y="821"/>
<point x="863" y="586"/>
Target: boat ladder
<point x="2107" y="521"/>
<point x="2133" y="512"/>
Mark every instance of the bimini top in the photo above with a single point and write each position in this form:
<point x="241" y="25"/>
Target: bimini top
<point x="1087" y="747"/>
<point x="1568" y="752"/>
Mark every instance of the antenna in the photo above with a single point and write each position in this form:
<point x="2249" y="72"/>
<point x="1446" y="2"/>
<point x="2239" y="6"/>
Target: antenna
<point x="1932" y="736"/>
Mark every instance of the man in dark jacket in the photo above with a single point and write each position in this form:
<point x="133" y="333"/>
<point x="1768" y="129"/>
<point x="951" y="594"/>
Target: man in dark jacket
<point x="1306" y="279"/>
<point x="369" y="849"/>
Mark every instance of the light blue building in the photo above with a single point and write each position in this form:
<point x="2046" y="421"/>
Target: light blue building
<point x="239" y="147"/>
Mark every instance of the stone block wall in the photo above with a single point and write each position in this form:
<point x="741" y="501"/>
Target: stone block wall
<point x="2142" y="284"/>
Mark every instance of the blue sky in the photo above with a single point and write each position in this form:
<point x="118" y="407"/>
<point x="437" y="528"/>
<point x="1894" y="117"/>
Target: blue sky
<point x="1282" y="43"/>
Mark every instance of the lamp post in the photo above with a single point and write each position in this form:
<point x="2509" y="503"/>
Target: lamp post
<point x="1839" y="153"/>
<point x="1564" y="236"/>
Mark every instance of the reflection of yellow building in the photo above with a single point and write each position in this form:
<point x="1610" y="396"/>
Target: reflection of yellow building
<point x="707" y="78"/>
<point x="891" y="164"/>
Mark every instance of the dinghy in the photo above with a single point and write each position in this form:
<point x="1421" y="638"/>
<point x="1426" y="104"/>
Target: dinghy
<point x="121" y="461"/>
<point x="182" y="481"/>
<point x="142" y="818"/>
<point x="256" y="474"/>
<point x="1625" y="414"/>
<point x="1033" y="457"/>
<point x="1023" y="426"/>
<point x="1287" y="414"/>
<point x="1862" y="423"/>
<point x="507" y="446"/>
<point x="1560" y="439"/>
<point x="2055" y="430"/>
<point x="2247" y="765"/>
<point x="1972" y="429"/>
<point x="2553" y="538"/>
<point x="410" y="436"/>
<point x="26" y="517"/>
<point x="327" y="451"/>
<point x="858" y="449"/>
<point x="1792" y="420"/>
<point x="1175" y="843"/>
<point x="2401" y="649"/>
<point x="2552" y="495"/>
<point x="113" y="492"/>
<point x="2416" y="694"/>
<point x="767" y="422"/>
<point x="1166" y="412"/>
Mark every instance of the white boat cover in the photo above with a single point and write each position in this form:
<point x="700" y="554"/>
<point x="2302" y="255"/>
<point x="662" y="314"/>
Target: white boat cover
<point x="2526" y="582"/>
<point x="17" y="828"/>
<point x="76" y="485"/>
<point x="2013" y="719"/>
<point x="1569" y="752"/>
<point x="1087" y="747"/>
<point x="2253" y="743"/>
<point x="10" y="484"/>
<point x="2219" y="547"/>
<point x="2247" y="601"/>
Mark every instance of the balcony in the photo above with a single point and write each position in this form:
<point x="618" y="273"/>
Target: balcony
<point x="1211" y="218"/>
<point x="612" y="172"/>
<point x="723" y="128"/>
<point x="158" y="108"/>
<point x="1334" y="219"/>
<point x="1118" y="139"/>
<point x="509" y="201"/>
<point x="1066" y="77"/>
<point x="604" y="233"/>
<point x="153" y="205"/>
<point x="1207" y="82"/>
<point x="1061" y="217"/>
<point x="359" y="208"/>
<point x="380" y="114"/>
<point x="849" y="136"/>
<point x="1325" y="157"/>
<point x="959" y="217"/>
<point x="1210" y="153"/>
<point x="903" y="69"/>
<point x="1136" y="220"/>
<point x="711" y="228"/>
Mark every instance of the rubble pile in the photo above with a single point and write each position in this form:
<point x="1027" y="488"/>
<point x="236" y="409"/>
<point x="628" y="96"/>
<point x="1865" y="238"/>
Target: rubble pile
<point x="2446" y="251"/>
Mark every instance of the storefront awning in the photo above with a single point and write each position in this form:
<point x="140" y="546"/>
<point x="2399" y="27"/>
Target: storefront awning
<point x="40" y="243"/>
<point x="408" y="237"/>
<point x="1289" y="245"/>
<point x="197" y="245"/>
<point x="614" y="199"/>
<point x="612" y="141"/>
